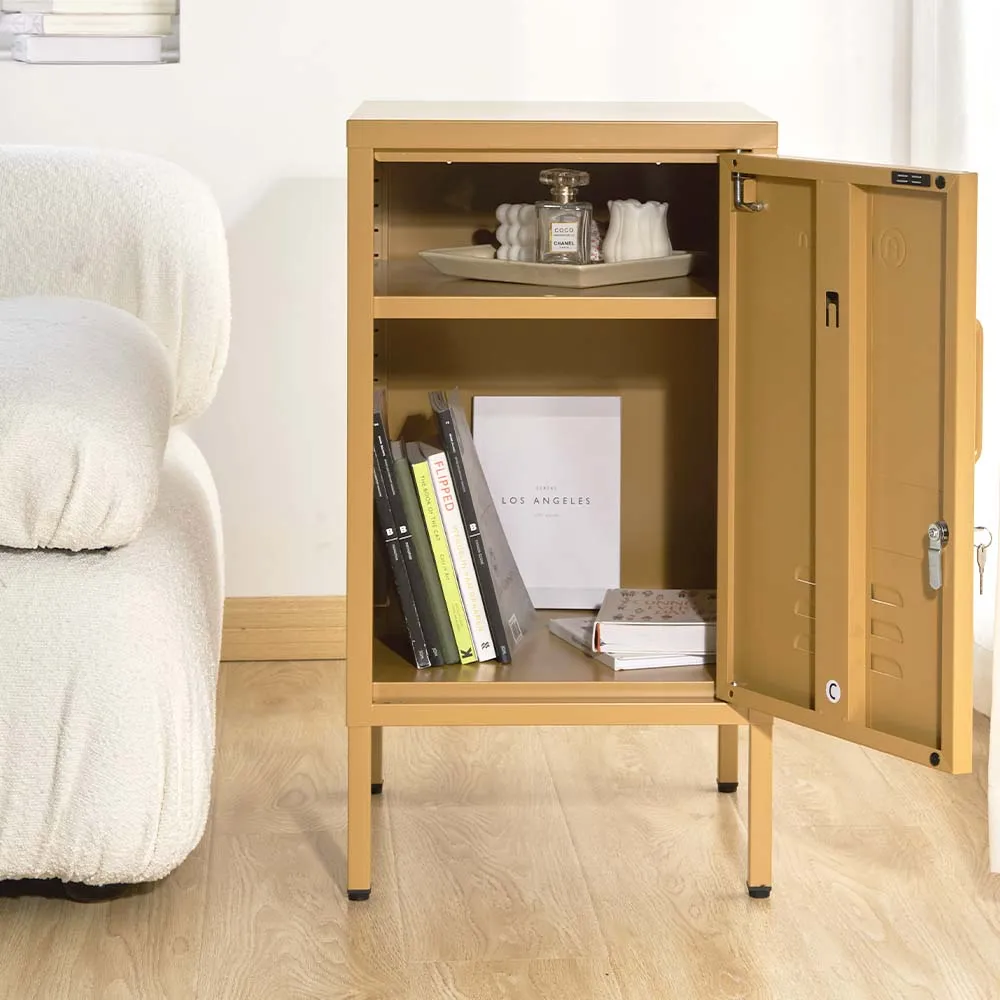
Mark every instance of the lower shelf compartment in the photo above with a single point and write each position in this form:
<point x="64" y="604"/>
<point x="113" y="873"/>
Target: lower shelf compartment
<point x="545" y="670"/>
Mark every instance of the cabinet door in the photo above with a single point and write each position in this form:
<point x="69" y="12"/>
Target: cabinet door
<point x="848" y="409"/>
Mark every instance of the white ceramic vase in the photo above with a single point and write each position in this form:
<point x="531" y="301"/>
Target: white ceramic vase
<point x="637" y="231"/>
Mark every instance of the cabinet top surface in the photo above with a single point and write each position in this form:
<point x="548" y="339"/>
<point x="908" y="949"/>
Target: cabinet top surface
<point x="557" y="111"/>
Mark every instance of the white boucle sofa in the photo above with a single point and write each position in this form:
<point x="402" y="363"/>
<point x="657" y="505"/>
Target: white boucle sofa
<point x="110" y="623"/>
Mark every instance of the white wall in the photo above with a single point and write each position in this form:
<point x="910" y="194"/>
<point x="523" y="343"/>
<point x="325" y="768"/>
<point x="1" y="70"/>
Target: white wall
<point x="257" y="107"/>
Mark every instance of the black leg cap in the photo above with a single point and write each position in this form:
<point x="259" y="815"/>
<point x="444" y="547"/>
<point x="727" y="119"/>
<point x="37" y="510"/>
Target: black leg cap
<point x="358" y="895"/>
<point x="81" y="893"/>
<point x="728" y="786"/>
<point x="376" y="788"/>
<point x="759" y="891"/>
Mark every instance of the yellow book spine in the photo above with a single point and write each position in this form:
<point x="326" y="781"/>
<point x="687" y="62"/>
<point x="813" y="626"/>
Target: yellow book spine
<point x="445" y="566"/>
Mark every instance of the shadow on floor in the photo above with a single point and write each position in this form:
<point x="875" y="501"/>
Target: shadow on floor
<point x="53" y="888"/>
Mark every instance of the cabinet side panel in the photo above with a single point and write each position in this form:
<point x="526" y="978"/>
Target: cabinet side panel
<point x="773" y="489"/>
<point x="360" y="376"/>
<point x="906" y="473"/>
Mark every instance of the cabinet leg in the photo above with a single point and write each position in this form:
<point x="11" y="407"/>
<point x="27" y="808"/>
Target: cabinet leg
<point x="376" y="760"/>
<point x="359" y="812"/>
<point x="760" y="815"/>
<point x="729" y="758"/>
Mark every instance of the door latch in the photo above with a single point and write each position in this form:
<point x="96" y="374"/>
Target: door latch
<point x="937" y="539"/>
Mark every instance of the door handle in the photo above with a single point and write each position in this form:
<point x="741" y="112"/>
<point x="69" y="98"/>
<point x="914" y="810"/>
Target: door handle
<point x="937" y="539"/>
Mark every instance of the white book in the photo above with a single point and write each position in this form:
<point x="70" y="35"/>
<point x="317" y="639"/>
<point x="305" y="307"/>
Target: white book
<point x="636" y="622"/>
<point x="94" y="49"/>
<point x="87" y="24"/>
<point x="458" y="543"/>
<point x="579" y="632"/>
<point x="553" y="464"/>
<point x="90" y="6"/>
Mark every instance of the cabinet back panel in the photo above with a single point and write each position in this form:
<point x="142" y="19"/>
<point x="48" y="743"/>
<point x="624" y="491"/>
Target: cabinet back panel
<point x="432" y="205"/>
<point x="774" y="584"/>
<point x="666" y="375"/>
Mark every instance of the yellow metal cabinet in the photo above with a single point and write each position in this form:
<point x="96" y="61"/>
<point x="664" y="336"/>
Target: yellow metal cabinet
<point x="800" y="425"/>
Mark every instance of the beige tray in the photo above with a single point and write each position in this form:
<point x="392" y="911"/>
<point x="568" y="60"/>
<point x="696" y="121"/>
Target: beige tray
<point x="481" y="263"/>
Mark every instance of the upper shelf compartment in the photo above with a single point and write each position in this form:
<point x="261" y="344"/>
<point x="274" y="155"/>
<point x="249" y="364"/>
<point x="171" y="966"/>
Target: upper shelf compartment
<point x="424" y="206"/>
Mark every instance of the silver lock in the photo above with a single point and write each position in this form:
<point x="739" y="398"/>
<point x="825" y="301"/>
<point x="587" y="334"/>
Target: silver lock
<point x="937" y="539"/>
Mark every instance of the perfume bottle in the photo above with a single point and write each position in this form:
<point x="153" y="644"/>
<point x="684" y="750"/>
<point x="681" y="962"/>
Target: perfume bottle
<point x="564" y="223"/>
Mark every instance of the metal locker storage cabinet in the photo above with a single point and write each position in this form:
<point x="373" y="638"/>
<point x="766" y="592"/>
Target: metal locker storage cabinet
<point x="816" y="387"/>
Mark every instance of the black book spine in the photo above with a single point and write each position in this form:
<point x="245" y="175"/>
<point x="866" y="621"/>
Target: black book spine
<point x="390" y="537"/>
<point x="383" y="456"/>
<point x="471" y="521"/>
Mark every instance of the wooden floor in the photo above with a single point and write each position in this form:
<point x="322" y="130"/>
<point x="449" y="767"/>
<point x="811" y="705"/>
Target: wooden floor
<point x="588" y="863"/>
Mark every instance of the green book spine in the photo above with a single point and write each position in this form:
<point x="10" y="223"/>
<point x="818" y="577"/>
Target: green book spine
<point x="425" y="557"/>
<point x="442" y="557"/>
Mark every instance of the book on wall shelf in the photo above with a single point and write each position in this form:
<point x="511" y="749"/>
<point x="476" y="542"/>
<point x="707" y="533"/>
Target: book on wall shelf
<point x="103" y="7"/>
<point x="61" y="49"/>
<point x="459" y="588"/>
<point x="136" y="32"/>
<point x="86" y="25"/>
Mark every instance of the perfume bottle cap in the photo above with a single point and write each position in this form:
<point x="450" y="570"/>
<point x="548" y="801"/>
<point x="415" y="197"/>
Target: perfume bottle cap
<point x="563" y="182"/>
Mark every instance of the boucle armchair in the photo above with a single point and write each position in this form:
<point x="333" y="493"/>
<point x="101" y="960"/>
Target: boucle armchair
<point x="114" y="329"/>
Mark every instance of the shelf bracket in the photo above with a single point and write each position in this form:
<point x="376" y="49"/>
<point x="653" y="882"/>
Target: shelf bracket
<point x="739" y="194"/>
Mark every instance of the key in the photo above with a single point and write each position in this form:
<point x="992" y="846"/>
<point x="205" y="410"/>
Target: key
<point x="981" y="548"/>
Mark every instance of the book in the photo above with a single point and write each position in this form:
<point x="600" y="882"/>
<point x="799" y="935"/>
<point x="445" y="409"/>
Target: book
<point x="421" y="597"/>
<point x="87" y="24"/>
<point x="390" y="539"/>
<point x="579" y="632"/>
<point x="509" y="611"/>
<point x="90" y="6"/>
<point x="458" y="545"/>
<point x="90" y="49"/>
<point x="662" y="621"/>
<point x="425" y="557"/>
<point x="443" y="561"/>
<point x="553" y="464"/>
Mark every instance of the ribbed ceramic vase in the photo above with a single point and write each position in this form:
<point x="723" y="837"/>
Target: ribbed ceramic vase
<point x="637" y="231"/>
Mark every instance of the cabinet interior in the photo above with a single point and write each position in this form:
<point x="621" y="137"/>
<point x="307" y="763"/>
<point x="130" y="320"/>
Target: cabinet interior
<point x="424" y="206"/>
<point x="666" y="375"/>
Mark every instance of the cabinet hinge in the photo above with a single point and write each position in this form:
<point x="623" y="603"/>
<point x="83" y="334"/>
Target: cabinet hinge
<point x="739" y="194"/>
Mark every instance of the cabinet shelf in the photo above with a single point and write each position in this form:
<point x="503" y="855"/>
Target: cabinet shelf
<point x="545" y="669"/>
<point x="412" y="289"/>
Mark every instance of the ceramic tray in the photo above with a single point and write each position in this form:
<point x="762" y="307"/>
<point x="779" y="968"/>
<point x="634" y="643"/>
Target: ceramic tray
<point x="480" y="262"/>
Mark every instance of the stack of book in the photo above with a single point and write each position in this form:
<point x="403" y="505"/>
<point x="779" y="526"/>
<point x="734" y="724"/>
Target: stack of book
<point x="89" y="31"/>
<point x="460" y="592"/>
<point x="646" y="628"/>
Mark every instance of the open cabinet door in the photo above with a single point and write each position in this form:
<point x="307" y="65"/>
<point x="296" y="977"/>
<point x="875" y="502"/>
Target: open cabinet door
<point x="848" y="409"/>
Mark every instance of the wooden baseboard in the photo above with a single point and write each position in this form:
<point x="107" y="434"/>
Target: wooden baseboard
<point x="284" y="628"/>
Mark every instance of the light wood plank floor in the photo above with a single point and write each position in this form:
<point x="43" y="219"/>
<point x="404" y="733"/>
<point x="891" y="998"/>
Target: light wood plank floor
<point x="518" y="863"/>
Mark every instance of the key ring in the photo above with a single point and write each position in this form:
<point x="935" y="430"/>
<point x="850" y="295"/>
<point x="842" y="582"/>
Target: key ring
<point x="982" y="527"/>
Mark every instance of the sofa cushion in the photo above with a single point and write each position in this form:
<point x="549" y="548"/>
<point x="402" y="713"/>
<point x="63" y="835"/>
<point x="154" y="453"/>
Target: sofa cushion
<point x="86" y="394"/>
<point x="131" y="230"/>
